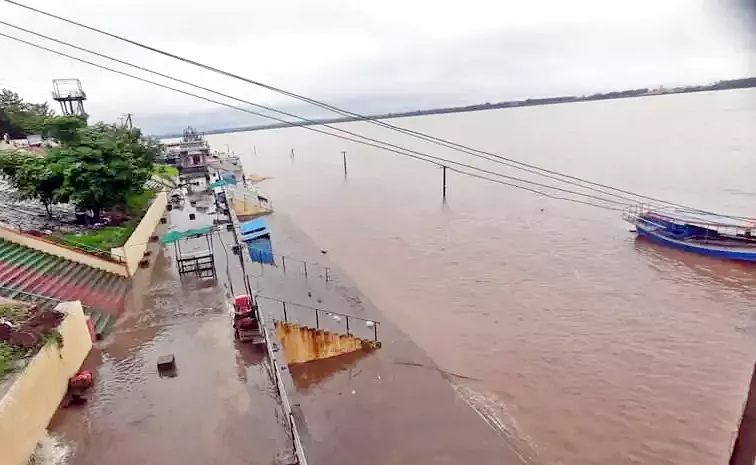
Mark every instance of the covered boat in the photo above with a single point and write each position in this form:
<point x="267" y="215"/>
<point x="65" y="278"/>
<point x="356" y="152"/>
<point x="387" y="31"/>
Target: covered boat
<point x="720" y="236"/>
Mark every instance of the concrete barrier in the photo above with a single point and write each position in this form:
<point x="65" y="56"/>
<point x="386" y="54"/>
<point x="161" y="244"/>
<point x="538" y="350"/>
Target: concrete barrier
<point x="29" y="400"/>
<point x="52" y="248"/>
<point x="133" y="249"/>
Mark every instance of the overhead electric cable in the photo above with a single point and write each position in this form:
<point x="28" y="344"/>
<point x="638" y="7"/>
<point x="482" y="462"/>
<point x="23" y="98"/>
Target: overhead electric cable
<point x="389" y="147"/>
<point x="439" y="141"/>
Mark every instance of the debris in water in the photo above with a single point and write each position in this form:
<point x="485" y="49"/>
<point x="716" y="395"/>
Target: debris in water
<point x="166" y="363"/>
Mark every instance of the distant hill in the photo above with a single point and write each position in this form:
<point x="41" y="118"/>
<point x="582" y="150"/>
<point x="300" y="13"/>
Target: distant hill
<point x="641" y="92"/>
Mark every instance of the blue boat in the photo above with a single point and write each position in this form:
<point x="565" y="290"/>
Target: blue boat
<point x="718" y="236"/>
<point x="256" y="235"/>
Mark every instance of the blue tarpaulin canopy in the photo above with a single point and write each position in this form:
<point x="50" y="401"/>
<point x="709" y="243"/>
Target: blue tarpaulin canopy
<point x="254" y="229"/>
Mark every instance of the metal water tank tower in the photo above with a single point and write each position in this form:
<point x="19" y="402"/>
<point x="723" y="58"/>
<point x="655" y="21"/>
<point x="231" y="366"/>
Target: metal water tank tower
<point x="70" y="95"/>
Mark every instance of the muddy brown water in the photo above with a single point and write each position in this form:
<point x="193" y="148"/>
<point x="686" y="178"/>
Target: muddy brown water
<point x="589" y="346"/>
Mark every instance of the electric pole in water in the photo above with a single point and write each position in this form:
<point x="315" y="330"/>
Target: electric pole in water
<point x="345" y="165"/>
<point x="443" y="191"/>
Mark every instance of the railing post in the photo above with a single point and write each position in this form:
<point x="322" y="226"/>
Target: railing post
<point x="317" y="320"/>
<point x="375" y="331"/>
<point x="284" y="309"/>
<point x="347" y="323"/>
<point x="283" y="262"/>
<point x="305" y="268"/>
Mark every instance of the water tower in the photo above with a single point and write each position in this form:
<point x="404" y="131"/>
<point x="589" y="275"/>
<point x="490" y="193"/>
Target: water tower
<point x="70" y="95"/>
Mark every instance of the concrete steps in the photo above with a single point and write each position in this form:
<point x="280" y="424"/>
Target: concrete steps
<point x="30" y="275"/>
<point x="305" y="344"/>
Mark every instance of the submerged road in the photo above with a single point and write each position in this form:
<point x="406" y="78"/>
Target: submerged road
<point x="389" y="407"/>
<point x="220" y="408"/>
<point x="393" y="406"/>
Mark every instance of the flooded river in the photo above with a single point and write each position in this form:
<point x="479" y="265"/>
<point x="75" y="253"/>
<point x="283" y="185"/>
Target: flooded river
<point x="591" y="347"/>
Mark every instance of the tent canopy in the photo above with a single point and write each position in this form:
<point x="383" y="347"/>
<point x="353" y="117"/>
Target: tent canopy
<point x="174" y="236"/>
<point x="221" y="183"/>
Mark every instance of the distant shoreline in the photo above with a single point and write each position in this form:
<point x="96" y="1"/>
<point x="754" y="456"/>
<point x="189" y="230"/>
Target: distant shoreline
<point x="631" y="93"/>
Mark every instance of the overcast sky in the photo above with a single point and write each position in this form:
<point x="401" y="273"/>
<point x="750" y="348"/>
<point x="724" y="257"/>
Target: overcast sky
<point x="379" y="55"/>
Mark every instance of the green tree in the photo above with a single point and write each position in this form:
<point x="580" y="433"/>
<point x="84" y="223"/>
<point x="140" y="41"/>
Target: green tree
<point x="34" y="177"/>
<point x="102" y="165"/>
<point x="64" y="129"/>
<point x="22" y="118"/>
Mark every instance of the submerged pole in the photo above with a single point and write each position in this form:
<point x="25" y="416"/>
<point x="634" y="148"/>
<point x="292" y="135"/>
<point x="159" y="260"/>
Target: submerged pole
<point x="744" y="450"/>
<point x="444" y="187"/>
<point x="345" y="164"/>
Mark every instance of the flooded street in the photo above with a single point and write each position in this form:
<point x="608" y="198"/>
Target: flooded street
<point x="221" y="407"/>
<point x="588" y="346"/>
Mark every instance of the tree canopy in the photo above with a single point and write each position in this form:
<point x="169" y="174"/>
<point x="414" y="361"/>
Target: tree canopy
<point x="96" y="167"/>
<point x="19" y="118"/>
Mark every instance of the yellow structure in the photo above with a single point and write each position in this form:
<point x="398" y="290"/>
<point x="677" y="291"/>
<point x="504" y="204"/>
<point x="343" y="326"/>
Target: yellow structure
<point x="246" y="209"/>
<point x="302" y="344"/>
<point x="28" y="401"/>
<point x="133" y="249"/>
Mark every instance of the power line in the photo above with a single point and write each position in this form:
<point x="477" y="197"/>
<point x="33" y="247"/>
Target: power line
<point x="573" y="180"/>
<point x="396" y="149"/>
<point x="306" y="120"/>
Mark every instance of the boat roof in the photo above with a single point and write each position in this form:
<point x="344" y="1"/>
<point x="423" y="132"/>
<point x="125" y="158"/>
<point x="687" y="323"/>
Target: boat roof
<point x="703" y="218"/>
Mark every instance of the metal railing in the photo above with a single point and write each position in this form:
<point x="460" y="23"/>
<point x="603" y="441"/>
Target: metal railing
<point x="294" y="266"/>
<point x="321" y="313"/>
<point x="88" y="249"/>
<point x="282" y="392"/>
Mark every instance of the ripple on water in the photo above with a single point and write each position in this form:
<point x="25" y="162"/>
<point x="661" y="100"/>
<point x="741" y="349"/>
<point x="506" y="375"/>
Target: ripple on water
<point x="52" y="450"/>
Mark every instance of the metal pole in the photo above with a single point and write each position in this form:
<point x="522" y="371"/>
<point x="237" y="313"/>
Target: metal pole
<point x="744" y="450"/>
<point x="326" y="272"/>
<point x="444" y="188"/>
<point x="317" y="320"/>
<point x="305" y="268"/>
<point x="375" y="331"/>
<point x="345" y="164"/>
<point x="283" y="262"/>
<point x="347" y="321"/>
<point x="284" y="309"/>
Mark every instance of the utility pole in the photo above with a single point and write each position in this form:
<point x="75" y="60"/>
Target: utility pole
<point x="345" y="165"/>
<point x="443" y="192"/>
<point x="744" y="450"/>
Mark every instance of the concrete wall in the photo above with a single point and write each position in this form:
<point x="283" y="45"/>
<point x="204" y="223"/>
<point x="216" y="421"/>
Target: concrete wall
<point x="302" y="344"/>
<point x="52" y="248"/>
<point x="30" y="401"/>
<point x="133" y="249"/>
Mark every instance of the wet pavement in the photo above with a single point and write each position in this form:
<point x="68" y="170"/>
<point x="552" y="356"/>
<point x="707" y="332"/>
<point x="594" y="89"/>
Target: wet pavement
<point x="392" y="406"/>
<point x="220" y="407"/>
<point x="389" y="407"/>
